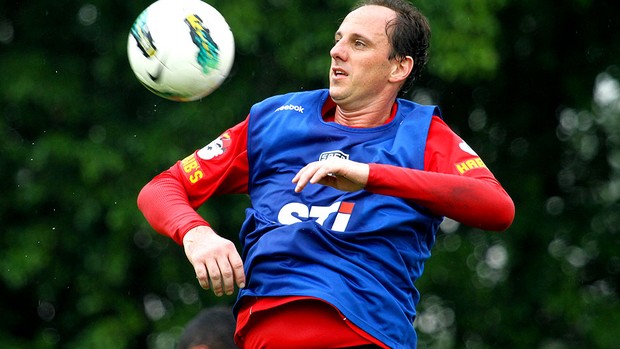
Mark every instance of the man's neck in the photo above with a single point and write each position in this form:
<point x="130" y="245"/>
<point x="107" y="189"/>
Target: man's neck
<point x="333" y="113"/>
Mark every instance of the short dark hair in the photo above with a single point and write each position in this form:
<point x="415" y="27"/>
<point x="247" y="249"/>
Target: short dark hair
<point x="213" y="326"/>
<point x="409" y="34"/>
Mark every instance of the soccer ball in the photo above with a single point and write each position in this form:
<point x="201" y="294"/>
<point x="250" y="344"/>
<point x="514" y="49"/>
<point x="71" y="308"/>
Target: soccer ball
<point x="181" y="50"/>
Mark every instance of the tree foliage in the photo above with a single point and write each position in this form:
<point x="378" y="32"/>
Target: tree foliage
<point x="532" y="86"/>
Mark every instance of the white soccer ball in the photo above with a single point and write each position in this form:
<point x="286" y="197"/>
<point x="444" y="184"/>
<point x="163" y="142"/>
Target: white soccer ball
<point x="181" y="50"/>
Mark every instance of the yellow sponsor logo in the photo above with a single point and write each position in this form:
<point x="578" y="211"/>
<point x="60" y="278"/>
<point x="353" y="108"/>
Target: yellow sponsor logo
<point x="470" y="165"/>
<point x="191" y="169"/>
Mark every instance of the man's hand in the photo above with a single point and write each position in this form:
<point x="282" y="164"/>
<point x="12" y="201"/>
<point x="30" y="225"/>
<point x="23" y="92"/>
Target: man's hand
<point x="215" y="260"/>
<point x="345" y="175"/>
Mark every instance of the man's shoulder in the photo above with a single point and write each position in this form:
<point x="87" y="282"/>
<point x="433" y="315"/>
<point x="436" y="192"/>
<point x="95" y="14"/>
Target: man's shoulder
<point x="406" y="107"/>
<point x="291" y="101"/>
<point x="296" y="95"/>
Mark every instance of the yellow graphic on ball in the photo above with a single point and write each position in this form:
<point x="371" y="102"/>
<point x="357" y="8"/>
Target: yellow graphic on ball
<point x="208" y="54"/>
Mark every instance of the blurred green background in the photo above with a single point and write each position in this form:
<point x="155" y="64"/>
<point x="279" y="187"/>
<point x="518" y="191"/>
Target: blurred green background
<point x="533" y="86"/>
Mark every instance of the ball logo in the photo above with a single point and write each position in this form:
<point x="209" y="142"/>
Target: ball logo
<point x="144" y="40"/>
<point x="208" y="51"/>
<point x="140" y="31"/>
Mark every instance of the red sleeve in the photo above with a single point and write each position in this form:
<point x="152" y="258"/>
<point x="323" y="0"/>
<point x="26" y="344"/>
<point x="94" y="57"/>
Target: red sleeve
<point x="455" y="183"/>
<point x="169" y="201"/>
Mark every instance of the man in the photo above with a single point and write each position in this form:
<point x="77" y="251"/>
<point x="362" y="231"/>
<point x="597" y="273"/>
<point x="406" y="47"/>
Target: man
<point x="348" y="188"/>
<point x="212" y="328"/>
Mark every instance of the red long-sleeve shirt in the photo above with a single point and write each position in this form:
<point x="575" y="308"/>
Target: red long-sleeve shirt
<point x="455" y="183"/>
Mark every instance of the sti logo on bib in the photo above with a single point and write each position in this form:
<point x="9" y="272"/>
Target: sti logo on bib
<point x="290" y="212"/>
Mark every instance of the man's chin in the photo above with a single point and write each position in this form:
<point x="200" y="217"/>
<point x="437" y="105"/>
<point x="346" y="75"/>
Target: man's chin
<point x="335" y="93"/>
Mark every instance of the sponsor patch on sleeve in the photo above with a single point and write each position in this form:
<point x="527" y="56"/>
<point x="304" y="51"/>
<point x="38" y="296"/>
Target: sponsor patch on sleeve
<point x="191" y="169"/>
<point x="469" y="165"/>
<point x="215" y="148"/>
<point x="466" y="148"/>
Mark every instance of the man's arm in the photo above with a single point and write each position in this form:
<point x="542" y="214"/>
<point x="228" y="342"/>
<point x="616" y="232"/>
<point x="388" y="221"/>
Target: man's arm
<point x="479" y="202"/>
<point x="455" y="182"/>
<point x="169" y="201"/>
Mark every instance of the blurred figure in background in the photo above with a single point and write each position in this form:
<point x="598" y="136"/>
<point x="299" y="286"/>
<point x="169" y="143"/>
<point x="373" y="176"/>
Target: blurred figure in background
<point x="212" y="328"/>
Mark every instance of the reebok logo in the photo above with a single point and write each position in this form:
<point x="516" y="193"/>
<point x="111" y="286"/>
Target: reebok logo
<point x="296" y="108"/>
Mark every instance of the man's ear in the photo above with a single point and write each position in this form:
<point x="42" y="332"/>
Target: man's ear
<point x="401" y="69"/>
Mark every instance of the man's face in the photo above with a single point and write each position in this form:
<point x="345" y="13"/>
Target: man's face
<point x="360" y="66"/>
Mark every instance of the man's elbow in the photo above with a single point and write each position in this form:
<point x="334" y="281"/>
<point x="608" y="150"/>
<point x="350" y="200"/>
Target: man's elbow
<point x="143" y="195"/>
<point x="503" y="216"/>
